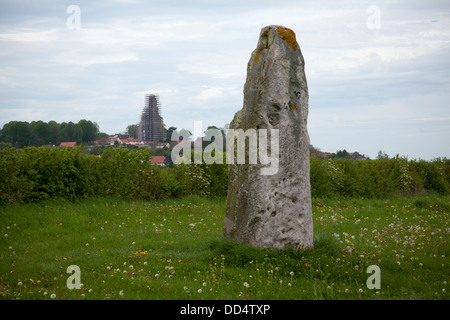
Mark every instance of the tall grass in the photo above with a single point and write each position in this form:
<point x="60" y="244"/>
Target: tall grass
<point x="173" y="249"/>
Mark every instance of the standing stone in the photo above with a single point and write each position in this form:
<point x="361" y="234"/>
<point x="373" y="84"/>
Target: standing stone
<point x="273" y="210"/>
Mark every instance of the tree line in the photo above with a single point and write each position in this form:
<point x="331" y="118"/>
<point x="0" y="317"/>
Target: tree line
<point x="19" y="134"/>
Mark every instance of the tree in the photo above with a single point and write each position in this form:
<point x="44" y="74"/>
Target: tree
<point x="21" y="133"/>
<point x="89" y="130"/>
<point x="71" y="132"/>
<point x="41" y="133"/>
<point x="10" y="133"/>
<point x="382" y="155"/>
<point x="24" y="134"/>
<point x="169" y="133"/>
<point x="54" y="131"/>
<point x="63" y="132"/>
<point x="133" y="130"/>
<point x="340" y="154"/>
<point x="77" y="133"/>
<point x="313" y="150"/>
<point x="343" y="154"/>
<point x="101" y="135"/>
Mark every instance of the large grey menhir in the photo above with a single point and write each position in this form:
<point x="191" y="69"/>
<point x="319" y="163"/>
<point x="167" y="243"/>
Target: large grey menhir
<point x="273" y="210"/>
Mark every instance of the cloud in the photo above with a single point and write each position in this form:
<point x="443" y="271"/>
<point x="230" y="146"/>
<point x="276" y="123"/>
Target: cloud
<point x="366" y="86"/>
<point x="217" y="65"/>
<point x="209" y="94"/>
<point x="86" y="59"/>
<point x="389" y="126"/>
<point x="24" y="114"/>
<point x="28" y="36"/>
<point x="433" y="119"/>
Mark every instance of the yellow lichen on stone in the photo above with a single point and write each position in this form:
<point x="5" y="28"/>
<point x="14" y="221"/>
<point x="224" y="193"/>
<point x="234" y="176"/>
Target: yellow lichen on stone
<point x="257" y="55"/>
<point x="288" y="36"/>
<point x="294" y="107"/>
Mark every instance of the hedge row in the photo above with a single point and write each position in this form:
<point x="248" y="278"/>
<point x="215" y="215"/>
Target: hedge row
<point x="34" y="174"/>
<point x="378" y="178"/>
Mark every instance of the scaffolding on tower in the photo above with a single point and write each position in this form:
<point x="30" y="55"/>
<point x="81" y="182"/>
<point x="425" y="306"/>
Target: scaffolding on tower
<point x="151" y="126"/>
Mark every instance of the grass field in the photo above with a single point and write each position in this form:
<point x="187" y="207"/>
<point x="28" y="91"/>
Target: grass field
<point x="173" y="249"/>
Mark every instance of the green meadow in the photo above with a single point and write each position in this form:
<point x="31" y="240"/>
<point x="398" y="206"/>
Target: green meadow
<point x="174" y="249"/>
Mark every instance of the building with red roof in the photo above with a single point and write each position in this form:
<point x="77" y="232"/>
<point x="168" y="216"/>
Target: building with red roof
<point x="159" y="160"/>
<point x="68" y="144"/>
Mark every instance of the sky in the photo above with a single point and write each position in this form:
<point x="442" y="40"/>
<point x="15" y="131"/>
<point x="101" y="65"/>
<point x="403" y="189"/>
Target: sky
<point x="378" y="72"/>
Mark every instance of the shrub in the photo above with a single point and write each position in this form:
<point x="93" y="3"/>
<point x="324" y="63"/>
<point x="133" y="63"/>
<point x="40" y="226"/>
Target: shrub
<point x="129" y="174"/>
<point x="432" y="174"/>
<point x="194" y="178"/>
<point x="12" y="186"/>
<point x="377" y="178"/>
<point x="218" y="178"/>
<point x="35" y="174"/>
<point x="321" y="185"/>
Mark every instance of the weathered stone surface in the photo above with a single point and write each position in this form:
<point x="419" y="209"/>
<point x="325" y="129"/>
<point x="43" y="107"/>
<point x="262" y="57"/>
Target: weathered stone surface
<point x="273" y="210"/>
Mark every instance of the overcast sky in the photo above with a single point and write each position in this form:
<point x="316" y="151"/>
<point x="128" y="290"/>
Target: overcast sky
<point x="378" y="72"/>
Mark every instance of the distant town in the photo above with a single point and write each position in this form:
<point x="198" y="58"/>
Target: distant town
<point x="150" y="132"/>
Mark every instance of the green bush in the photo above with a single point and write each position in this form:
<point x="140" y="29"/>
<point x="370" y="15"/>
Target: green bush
<point x="194" y="179"/>
<point x="35" y="174"/>
<point x="378" y="178"/>
<point x="130" y="174"/>
<point x="433" y="175"/>
<point x="173" y="187"/>
<point x="321" y="182"/>
<point x="12" y="186"/>
<point x="218" y="178"/>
